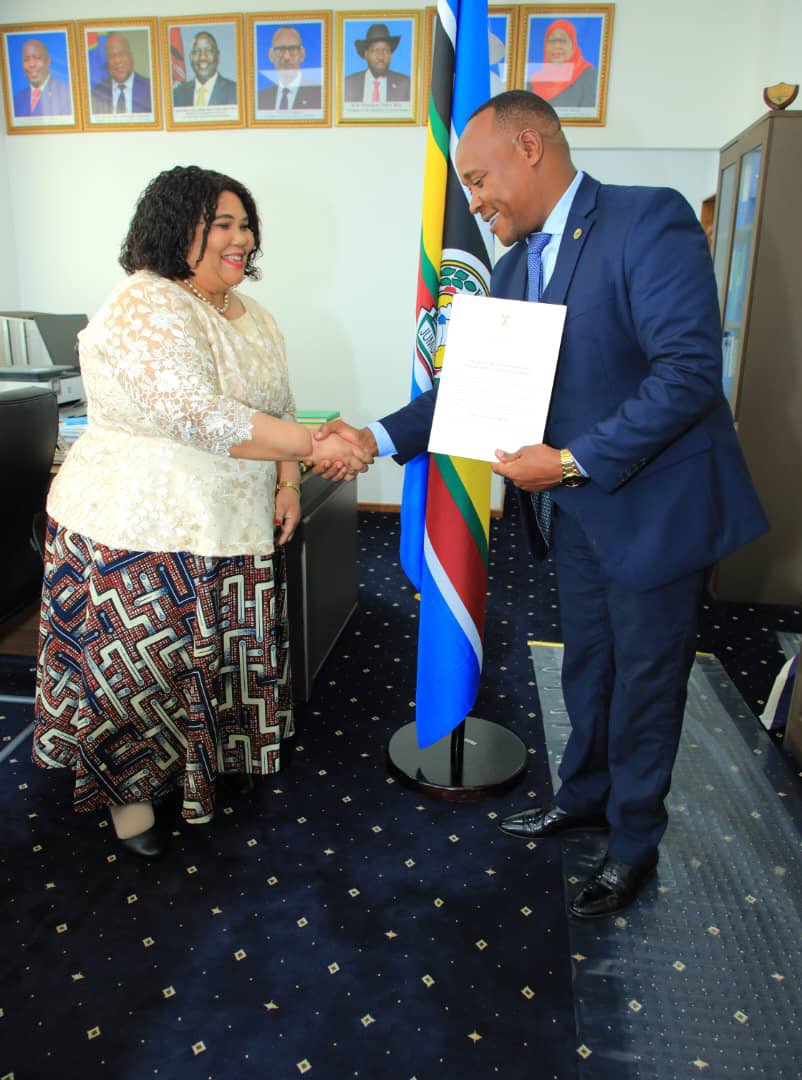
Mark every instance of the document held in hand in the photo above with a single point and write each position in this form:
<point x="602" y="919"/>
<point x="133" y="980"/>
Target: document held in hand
<point x="498" y="372"/>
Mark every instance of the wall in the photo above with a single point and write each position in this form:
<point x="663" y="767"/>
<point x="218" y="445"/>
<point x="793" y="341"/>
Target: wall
<point x="9" y="293"/>
<point x="340" y="207"/>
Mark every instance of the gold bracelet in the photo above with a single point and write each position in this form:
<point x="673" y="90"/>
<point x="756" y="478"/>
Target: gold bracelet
<point x="288" y="484"/>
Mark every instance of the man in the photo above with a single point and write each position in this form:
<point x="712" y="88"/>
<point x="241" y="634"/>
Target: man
<point x="46" y="95"/>
<point x="378" y="84"/>
<point x="125" y="91"/>
<point x="208" y="87"/>
<point x="647" y="482"/>
<point x="291" y="91"/>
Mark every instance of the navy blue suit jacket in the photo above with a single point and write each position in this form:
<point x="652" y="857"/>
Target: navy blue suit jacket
<point x="637" y="396"/>
<point x="103" y="100"/>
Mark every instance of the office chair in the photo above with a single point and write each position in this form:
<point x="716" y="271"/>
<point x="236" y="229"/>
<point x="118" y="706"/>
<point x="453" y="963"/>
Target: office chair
<point x="28" y="433"/>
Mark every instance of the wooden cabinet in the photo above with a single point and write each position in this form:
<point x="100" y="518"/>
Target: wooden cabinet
<point x="757" y="255"/>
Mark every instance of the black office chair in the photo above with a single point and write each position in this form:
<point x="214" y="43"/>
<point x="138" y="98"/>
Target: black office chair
<point x="28" y="433"/>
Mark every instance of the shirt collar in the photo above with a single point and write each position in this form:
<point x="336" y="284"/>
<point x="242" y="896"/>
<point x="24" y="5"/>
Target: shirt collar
<point x="294" y="85"/>
<point x="555" y="222"/>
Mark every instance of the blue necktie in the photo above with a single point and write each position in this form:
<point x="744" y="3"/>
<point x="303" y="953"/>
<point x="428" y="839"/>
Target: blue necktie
<point x="535" y="243"/>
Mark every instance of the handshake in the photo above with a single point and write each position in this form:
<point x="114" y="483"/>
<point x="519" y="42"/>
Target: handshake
<point x="340" y="451"/>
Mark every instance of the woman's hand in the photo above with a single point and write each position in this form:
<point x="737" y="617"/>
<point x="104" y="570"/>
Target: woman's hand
<point x="288" y="514"/>
<point x="362" y="438"/>
<point x="334" y="448"/>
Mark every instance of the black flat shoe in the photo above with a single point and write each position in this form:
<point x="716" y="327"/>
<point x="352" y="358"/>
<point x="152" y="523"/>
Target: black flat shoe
<point x="235" y="785"/>
<point x="149" y="844"/>
<point x="546" y="821"/>
<point x="612" y="888"/>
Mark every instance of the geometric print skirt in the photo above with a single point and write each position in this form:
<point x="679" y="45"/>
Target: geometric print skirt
<point x="158" y="669"/>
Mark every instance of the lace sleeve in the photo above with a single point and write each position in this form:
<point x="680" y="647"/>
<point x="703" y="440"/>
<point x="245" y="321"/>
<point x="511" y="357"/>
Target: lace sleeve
<point x="291" y="410"/>
<point x="160" y="356"/>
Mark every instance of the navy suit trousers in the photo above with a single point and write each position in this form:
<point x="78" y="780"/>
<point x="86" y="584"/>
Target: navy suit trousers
<point x="627" y="659"/>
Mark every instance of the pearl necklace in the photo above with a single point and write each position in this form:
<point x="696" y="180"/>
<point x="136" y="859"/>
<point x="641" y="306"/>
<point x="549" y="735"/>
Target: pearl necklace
<point x="220" y="310"/>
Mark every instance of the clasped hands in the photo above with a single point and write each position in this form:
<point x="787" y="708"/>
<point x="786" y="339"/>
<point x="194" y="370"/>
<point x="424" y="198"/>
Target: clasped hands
<point x="340" y="451"/>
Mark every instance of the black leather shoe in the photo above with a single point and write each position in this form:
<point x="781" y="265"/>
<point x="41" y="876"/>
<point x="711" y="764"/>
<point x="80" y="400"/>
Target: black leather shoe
<point x="149" y="844"/>
<point x="530" y="824"/>
<point x="235" y="785"/>
<point x="613" y="887"/>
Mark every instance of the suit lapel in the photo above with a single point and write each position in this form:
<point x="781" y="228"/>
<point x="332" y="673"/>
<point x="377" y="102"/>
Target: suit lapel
<point x="577" y="227"/>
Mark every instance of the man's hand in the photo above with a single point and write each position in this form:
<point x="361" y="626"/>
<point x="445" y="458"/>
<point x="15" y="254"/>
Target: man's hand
<point x="531" y="468"/>
<point x="335" y="459"/>
<point x="360" y="438"/>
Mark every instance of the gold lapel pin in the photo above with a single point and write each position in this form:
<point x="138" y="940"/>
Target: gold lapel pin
<point x="577" y="233"/>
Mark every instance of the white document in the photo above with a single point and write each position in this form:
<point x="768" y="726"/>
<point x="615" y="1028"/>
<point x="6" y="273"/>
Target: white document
<point x="498" y="373"/>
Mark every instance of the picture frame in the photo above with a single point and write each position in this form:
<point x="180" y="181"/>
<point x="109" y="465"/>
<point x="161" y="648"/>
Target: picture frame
<point x="502" y="44"/>
<point x="39" y="57"/>
<point x="392" y="39"/>
<point x="202" y="57"/>
<point x="571" y="70"/>
<point x="120" y="85"/>
<point x="288" y="68"/>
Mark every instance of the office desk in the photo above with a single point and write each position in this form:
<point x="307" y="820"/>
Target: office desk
<point x="321" y="576"/>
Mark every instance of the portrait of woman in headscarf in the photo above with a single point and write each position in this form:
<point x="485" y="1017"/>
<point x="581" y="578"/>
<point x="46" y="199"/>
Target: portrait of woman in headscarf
<point x="565" y="78"/>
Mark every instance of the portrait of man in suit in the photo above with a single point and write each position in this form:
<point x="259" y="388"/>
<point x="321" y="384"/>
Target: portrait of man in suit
<point x="45" y="95"/>
<point x="208" y="87"/>
<point x="378" y="83"/>
<point x="292" y="87"/>
<point x="124" y="91"/>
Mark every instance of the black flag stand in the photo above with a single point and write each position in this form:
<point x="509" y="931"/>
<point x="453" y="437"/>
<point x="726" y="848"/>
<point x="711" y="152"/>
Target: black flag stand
<point x="478" y="758"/>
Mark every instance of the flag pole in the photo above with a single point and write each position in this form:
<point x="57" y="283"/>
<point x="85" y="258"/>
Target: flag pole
<point x="445" y="509"/>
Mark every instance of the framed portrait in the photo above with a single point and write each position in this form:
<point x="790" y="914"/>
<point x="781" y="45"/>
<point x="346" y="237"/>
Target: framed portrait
<point x="565" y="58"/>
<point x="501" y="40"/>
<point x="119" y="75"/>
<point x="377" y="68"/>
<point x="288" y="68"/>
<point x="203" y="71"/>
<point x="39" y="78"/>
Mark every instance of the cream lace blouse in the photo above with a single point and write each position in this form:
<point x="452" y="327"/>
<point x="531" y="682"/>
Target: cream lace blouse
<point x="170" y="387"/>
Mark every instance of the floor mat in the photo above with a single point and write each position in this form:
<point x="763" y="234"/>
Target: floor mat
<point x="702" y="975"/>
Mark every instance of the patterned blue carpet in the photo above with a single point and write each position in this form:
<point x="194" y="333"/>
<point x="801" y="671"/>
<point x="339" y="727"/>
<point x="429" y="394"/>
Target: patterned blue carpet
<point x="335" y="923"/>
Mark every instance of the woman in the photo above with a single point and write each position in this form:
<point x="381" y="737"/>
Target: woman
<point x="565" y="79"/>
<point x="163" y="646"/>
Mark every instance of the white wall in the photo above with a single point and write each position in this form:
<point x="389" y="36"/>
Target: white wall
<point x="340" y="207"/>
<point x="9" y="293"/>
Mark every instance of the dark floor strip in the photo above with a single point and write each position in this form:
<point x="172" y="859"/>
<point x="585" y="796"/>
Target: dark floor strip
<point x="702" y="975"/>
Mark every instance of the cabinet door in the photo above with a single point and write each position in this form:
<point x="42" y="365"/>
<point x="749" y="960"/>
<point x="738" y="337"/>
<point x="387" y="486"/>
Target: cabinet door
<point x="742" y="249"/>
<point x="724" y="214"/>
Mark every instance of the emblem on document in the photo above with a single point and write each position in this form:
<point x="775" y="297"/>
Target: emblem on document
<point x="781" y="95"/>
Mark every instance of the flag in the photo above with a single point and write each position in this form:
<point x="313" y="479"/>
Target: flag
<point x="445" y="507"/>
<point x="178" y="67"/>
<point x="96" y="56"/>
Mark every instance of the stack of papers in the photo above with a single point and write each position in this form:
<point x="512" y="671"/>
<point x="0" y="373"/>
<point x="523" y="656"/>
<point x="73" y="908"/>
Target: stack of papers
<point x="70" y="428"/>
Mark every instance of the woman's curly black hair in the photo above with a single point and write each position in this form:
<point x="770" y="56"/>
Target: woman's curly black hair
<point x="167" y="214"/>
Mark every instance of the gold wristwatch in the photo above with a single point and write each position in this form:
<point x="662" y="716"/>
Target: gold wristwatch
<point x="572" y="477"/>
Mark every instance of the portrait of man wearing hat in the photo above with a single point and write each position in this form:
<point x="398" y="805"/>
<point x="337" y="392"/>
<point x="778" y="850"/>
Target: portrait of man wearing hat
<point x="378" y="83"/>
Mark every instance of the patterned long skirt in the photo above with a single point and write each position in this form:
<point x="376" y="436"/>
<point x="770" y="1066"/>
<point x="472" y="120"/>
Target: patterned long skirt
<point x="157" y="669"/>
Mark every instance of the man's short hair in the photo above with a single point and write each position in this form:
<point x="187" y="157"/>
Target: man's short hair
<point x="211" y="37"/>
<point x="517" y="109"/>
